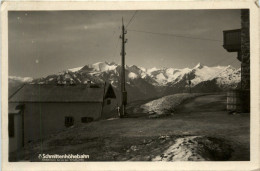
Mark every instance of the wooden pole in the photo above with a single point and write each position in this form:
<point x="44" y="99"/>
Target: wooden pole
<point x="123" y="90"/>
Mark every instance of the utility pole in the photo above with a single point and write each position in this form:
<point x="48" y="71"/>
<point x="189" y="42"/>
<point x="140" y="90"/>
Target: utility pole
<point x="123" y="90"/>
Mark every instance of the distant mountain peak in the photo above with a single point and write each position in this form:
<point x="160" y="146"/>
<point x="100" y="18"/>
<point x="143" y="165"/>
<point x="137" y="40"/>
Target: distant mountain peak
<point x="75" y="69"/>
<point x="199" y="66"/>
<point x="21" y="79"/>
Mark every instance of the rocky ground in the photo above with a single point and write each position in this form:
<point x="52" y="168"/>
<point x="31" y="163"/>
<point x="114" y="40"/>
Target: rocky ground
<point x="200" y="129"/>
<point x="162" y="148"/>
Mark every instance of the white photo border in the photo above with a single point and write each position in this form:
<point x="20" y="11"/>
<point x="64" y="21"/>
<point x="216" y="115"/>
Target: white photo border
<point x="253" y="164"/>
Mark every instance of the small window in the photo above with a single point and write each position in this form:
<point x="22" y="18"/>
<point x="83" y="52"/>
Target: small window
<point x="69" y="121"/>
<point x="11" y="125"/>
<point x="86" y="119"/>
<point x="108" y="102"/>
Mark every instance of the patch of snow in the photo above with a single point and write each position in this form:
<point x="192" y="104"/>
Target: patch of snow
<point x="166" y="104"/>
<point x="170" y="71"/>
<point x="195" y="148"/>
<point x="143" y="69"/>
<point x="104" y="66"/>
<point x="184" y="149"/>
<point x="113" y="83"/>
<point x="94" y="73"/>
<point x="75" y="69"/>
<point x="160" y="78"/>
<point x="143" y="75"/>
<point x="198" y="66"/>
<point x="149" y="71"/>
<point x="230" y="78"/>
<point x="132" y="75"/>
<point x="175" y="75"/>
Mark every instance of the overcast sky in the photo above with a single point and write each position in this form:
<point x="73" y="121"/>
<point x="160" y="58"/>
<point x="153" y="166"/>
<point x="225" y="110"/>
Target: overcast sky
<point x="43" y="43"/>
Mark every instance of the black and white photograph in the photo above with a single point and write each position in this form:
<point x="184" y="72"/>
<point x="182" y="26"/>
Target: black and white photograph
<point x="129" y="85"/>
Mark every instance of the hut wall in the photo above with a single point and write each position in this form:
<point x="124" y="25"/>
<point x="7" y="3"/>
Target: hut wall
<point x="110" y="109"/>
<point x="43" y="119"/>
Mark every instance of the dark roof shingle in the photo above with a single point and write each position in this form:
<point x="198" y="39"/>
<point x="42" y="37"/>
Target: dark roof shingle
<point x="54" y="93"/>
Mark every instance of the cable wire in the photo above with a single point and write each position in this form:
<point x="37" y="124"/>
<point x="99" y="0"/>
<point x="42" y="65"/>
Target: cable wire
<point x="131" y="19"/>
<point x="174" y="35"/>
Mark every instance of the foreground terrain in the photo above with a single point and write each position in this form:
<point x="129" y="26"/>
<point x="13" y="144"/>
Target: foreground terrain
<point x="200" y="129"/>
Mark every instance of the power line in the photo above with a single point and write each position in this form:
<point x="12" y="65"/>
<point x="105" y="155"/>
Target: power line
<point x="131" y="19"/>
<point x="174" y="35"/>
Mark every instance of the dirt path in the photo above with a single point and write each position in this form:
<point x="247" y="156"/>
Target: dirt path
<point x="208" y="103"/>
<point x="212" y="108"/>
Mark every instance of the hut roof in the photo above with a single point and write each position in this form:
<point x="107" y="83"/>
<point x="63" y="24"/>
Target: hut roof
<point x="54" y="93"/>
<point x="110" y="92"/>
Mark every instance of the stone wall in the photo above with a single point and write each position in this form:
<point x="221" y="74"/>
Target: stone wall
<point x="245" y="59"/>
<point x="245" y="49"/>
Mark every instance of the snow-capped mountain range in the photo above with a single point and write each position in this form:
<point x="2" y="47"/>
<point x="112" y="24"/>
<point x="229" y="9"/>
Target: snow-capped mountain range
<point x="148" y="83"/>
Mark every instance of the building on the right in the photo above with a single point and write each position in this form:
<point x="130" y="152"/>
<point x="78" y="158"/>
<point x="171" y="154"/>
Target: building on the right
<point x="245" y="50"/>
<point x="239" y="41"/>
